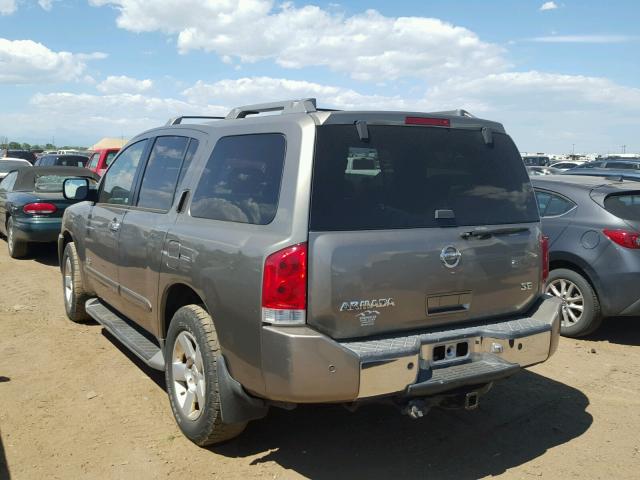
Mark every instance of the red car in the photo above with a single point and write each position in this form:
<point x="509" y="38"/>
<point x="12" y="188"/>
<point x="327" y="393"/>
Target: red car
<point x="101" y="159"/>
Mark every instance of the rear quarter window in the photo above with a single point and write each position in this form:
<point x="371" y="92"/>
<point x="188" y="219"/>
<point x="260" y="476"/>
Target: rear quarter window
<point x="241" y="180"/>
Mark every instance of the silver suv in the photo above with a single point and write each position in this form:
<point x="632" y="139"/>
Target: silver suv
<point x="314" y="256"/>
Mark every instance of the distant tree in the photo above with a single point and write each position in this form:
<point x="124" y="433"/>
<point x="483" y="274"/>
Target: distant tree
<point x="25" y="146"/>
<point x="50" y="146"/>
<point x="14" y="145"/>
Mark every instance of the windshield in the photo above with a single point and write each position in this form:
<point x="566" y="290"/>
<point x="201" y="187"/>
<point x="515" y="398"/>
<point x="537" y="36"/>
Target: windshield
<point x="412" y="172"/>
<point x="8" y="165"/>
<point x="53" y="183"/>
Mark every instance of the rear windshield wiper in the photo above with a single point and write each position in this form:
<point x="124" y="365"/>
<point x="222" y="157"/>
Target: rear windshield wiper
<point x="488" y="232"/>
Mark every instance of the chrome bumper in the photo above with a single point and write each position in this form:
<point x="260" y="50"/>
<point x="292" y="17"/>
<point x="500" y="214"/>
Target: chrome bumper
<point x="415" y="365"/>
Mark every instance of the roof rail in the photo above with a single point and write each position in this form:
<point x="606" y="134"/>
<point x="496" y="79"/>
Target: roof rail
<point x="305" y="105"/>
<point x="178" y="120"/>
<point x="458" y="113"/>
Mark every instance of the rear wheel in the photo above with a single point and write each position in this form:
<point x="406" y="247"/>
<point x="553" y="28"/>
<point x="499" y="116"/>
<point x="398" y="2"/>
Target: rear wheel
<point x="72" y="287"/>
<point x="17" y="248"/>
<point x="580" y="314"/>
<point x="192" y="378"/>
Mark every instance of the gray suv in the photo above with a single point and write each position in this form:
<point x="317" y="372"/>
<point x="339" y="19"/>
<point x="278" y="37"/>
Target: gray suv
<point x="314" y="256"/>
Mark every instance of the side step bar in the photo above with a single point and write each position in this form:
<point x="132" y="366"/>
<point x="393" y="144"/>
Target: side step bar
<point x="127" y="333"/>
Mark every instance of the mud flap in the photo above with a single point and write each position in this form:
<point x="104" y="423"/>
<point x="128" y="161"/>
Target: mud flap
<point x="236" y="405"/>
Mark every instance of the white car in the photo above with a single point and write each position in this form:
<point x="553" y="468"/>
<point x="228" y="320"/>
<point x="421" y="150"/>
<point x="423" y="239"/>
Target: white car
<point x="7" y="164"/>
<point x="567" y="165"/>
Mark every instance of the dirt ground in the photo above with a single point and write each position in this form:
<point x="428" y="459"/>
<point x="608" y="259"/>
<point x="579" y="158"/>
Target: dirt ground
<point x="74" y="404"/>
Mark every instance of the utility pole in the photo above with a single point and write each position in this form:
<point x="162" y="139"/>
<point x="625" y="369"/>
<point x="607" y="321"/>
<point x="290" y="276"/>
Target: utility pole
<point x="573" y="149"/>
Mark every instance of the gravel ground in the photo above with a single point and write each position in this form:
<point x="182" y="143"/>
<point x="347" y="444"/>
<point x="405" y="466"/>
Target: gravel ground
<point x="75" y="404"/>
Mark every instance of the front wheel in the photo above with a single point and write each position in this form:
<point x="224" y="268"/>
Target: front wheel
<point x="17" y="248"/>
<point x="580" y="305"/>
<point x="192" y="379"/>
<point x="72" y="287"/>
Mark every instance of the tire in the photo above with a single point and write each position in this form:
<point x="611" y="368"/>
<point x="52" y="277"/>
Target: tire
<point x="72" y="288"/>
<point x="581" y="313"/>
<point x="17" y="248"/>
<point x="191" y="376"/>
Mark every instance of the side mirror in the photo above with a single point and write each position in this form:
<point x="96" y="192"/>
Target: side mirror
<point x="77" y="189"/>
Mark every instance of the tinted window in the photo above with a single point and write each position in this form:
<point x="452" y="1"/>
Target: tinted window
<point x="161" y="174"/>
<point x="543" y="200"/>
<point x="70" y="161"/>
<point x="557" y="205"/>
<point x="625" y="206"/>
<point x="623" y="165"/>
<point x="420" y="170"/>
<point x="241" y="181"/>
<point x="593" y="165"/>
<point x="118" y="181"/>
<point x="191" y="152"/>
<point x="93" y="163"/>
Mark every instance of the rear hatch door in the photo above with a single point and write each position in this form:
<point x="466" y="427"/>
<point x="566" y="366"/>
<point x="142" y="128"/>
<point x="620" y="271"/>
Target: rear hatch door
<point x="440" y="226"/>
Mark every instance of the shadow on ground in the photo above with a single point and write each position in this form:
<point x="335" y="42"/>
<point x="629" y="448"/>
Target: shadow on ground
<point x="619" y="330"/>
<point x="4" y="467"/>
<point x="44" y="253"/>
<point x="518" y="421"/>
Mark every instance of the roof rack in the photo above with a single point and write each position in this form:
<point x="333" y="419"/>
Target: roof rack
<point x="457" y="113"/>
<point x="178" y="120"/>
<point x="305" y="105"/>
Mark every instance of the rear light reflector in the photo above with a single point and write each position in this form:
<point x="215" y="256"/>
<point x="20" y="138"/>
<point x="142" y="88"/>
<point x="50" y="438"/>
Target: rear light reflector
<point x="284" y="286"/>
<point x="39" y="208"/>
<point x="434" y="122"/>
<point x="624" y="238"/>
<point x="544" y="251"/>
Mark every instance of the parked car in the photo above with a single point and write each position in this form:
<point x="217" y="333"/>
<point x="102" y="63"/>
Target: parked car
<point x="617" y="164"/>
<point x="253" y="265"/>
<point x="9" y="164"/>
<point x="32" y="204"/>
<point x="101" y="159"/>
<point x="23" y="154"/>
<point x="536" y="160"/>
<point x="593" y="225"/>
<point x="567" y="165"/>
<point x="60" y="160"/>
<point x="543" y="171"/>
<point x="626" y="174"/>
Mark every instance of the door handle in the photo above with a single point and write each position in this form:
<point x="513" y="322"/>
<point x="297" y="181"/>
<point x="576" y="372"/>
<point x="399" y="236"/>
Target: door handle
<point x="114" y="225"/>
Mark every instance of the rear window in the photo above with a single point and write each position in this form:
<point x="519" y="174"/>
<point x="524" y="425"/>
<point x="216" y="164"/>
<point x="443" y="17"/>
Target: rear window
<point x="71" y="161"/>
<point x="52" y="183"/>
<point x="411" y="173"/>
<point x="625" y="206"/>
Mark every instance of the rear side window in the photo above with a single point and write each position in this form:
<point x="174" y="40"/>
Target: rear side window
<point x="411" y="173"/>
<point x="625" y="206"/>
<point x="93" y="163"/>
<point x="161" y="173"/>
<point x="110" y="157"/>
<point x="623" y="165"/>
<point x="241" y="181"/>
<point x="551" y="205"/>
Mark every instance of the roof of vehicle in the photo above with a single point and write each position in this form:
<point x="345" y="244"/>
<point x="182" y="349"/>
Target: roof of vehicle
<point x="624" y="173"/>
<point x="27" y="175"/>
<point x="64" y="155"/>
<point x="585" y="182"/>
<point x="295" y="110"/>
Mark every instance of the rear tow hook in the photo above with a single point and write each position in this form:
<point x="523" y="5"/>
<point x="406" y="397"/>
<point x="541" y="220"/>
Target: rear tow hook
<point x="416" y="409"/>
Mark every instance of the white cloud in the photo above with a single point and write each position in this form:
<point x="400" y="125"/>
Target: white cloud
<point x="26" y="61"/>
<point x="46" y="4"/>
<point x="548" y="6"/>
<point x="368" y="46"/>
<point x="586" y="39"/>
<point x="123" y="84"/>
<point x="7" y="7"/>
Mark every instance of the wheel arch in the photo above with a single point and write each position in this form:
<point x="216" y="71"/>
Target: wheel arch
<point x="175" y="296"/>
<point x="578" y="265"/>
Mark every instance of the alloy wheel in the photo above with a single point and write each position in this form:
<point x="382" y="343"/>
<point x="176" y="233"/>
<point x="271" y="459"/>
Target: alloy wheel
<point x="572" y="300"/>
<point x="68" y="282"/>
<point x="189" y="382"/>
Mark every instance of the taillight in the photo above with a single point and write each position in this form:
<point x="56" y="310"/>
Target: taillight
<point x="284" y="286"/>
<point x="544" y="252"/>
<point x="434" y="122"/>
<point x="39" y="208"/>
<point x="624" y="238"/>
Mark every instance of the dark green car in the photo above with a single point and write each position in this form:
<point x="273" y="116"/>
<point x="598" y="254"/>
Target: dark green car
<point x="32" y="204"/>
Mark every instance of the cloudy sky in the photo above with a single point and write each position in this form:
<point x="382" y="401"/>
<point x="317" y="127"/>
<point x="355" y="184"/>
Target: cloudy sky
<point x="556" y="73"/>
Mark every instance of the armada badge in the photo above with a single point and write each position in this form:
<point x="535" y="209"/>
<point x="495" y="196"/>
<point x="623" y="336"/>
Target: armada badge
<point x="358" y="305"/>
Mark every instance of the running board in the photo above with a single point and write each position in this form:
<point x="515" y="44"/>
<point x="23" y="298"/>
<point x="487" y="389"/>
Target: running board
<point x="127" y="333"/>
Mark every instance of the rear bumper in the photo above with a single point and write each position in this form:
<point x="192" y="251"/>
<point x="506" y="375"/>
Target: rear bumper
<point x="301" y="365"/>
<point x="37" y="229"/>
